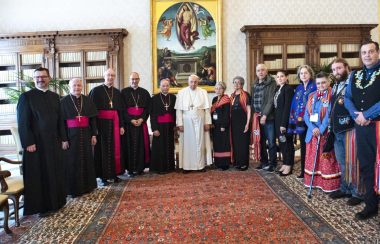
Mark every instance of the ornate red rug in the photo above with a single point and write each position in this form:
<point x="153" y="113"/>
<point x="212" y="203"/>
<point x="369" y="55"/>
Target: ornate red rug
<point x="215" y="206"/>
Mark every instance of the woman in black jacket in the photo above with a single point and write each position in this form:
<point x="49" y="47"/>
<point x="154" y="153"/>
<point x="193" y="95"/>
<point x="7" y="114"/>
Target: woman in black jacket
<point x="282" y="101"/>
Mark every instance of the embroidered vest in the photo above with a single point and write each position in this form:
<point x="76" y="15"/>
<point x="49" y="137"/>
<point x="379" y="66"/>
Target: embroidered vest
<point x="340" y="117"/>
<point x="365" y="97"/>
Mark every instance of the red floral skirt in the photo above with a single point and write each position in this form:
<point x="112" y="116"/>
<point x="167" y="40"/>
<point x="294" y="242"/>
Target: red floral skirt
<point x="327" y="173"/>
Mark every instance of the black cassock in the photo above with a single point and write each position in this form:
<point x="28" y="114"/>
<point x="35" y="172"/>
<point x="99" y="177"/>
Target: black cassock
<point x="79" y="160"/>
<point x="221" y="139"/>
<point x="108" y="158"/>
<point x="137" y="102"/>
<point x="40" y="123"/>
<point x="163" y="120"/>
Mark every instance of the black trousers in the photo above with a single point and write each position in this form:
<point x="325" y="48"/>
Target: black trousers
<point x="366" y="152"/>
<point x="287" y="151"/>
<point x="303" y="150"/>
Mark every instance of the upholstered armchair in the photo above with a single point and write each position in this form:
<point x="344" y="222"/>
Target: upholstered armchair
<point x="4" y="206"/>
<point x="14" y="188"/>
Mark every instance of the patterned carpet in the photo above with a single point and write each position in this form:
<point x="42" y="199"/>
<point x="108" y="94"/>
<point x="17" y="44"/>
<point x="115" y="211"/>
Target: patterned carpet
<point x="215" y="206"/>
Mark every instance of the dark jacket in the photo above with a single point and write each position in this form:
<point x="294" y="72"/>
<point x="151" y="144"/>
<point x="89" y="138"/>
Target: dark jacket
<point x="269" y="91"/>
<point x="282" y="111"/>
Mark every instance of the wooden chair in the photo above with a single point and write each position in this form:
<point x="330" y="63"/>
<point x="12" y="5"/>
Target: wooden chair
<point x="4" y="206"/>
<point x="14" y="189"/>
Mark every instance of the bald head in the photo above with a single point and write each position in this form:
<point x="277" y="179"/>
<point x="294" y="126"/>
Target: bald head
<point x="134" y="79"/>
<point x="164" y="86"/>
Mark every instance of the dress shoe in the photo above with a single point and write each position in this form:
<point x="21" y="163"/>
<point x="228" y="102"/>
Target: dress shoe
<point x="339" y="194"/>
<point x="366" y="214"/>
<point x="243" y="168"/>
<point x="301" y="176"/>
<point x="353" y="201"/>
<point x="105" y="182"/>
<point x="270" y="169"/>
<point x="116" y="180"/>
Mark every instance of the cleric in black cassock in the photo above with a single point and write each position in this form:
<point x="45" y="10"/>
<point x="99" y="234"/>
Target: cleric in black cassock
<point x="42" y="132"/>
<point x="137" y="101"/>
<point x="162" y="119"/>
<point x="79" y="114"/>
<point x="110" y="122"/>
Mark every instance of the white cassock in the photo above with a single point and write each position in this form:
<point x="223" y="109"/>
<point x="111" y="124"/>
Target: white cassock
<point x="193" y="112"/>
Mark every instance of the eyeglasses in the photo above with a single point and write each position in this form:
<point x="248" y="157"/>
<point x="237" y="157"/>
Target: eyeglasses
<point x="135" y="79"/>
<point x="41" y="77"/>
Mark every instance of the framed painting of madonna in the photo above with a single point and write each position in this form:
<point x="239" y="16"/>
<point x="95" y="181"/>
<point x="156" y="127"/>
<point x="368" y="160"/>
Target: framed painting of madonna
<point x="186" y="40"/>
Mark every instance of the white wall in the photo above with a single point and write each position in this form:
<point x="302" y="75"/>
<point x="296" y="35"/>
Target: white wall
<point x="134" y="15"/>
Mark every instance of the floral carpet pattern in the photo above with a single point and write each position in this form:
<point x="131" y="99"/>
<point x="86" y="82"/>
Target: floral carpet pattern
<point x="214" y="206"/>
<point x="211" y="207"/>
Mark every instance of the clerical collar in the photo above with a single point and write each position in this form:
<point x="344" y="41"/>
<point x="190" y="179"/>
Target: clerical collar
<point x="109" y="87"/>
<point x="164" y="94"/>
<point x="43" y="90"/>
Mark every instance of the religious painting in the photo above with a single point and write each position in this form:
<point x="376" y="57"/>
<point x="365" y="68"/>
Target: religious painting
<point x="186" y="40"/>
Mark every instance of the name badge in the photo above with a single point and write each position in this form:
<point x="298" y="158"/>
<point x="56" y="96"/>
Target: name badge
<point x="314" y="118"/>
<point x="215" y="116"/>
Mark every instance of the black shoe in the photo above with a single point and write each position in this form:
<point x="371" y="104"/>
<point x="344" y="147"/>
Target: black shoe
<point x="366" y="214"/>
<point x="261" y="166"/>
<point x="243" y="168"/>
<point x="353" y="201"/>
<point x="339" y="194"/>
<point x="105" y="182"/>
<point x="270" y="169"/>
<point x="116" y="180"/>
<point x="301" y="176"/>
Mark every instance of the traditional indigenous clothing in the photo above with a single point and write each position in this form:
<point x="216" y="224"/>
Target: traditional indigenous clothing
<point x="108" y="157"/>
<point x="342" y="125"/>
<point x="326" y="173"/>
<point x="40" y="123"/>
<point x="296" y="118"/>
<point x="162" y="119"/>
<point x="240" y="140"/>
<point x="80" y="118"/>
<point x="220" y="113"/>
<point x="193" y="112"/>
<point x="137" y="102"/>
<point x="362" y="95"/>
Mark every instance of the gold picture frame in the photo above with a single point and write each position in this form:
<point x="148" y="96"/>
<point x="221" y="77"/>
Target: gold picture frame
<point x="186" y="39"/>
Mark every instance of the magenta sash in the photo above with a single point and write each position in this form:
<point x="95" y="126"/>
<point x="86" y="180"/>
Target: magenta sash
<point x="81" y="121"/>
<point x="166" y="118"/>
<point x="112" y="115"/>
<point x="136" y="112"/>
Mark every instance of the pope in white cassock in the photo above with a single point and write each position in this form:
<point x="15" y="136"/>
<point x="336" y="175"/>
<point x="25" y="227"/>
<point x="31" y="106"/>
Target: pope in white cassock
<point x="193" y="121"/>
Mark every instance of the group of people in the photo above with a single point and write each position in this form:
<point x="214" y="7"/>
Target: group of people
<point x="68" y="143"/>
<point x="338" y="127"/>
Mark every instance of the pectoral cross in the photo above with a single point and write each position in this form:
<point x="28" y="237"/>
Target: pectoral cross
<point x="79" y="117"/>
<point x="191" y="106"/>
<point x="166" y="106"/>
<point x="111" y="104"/>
